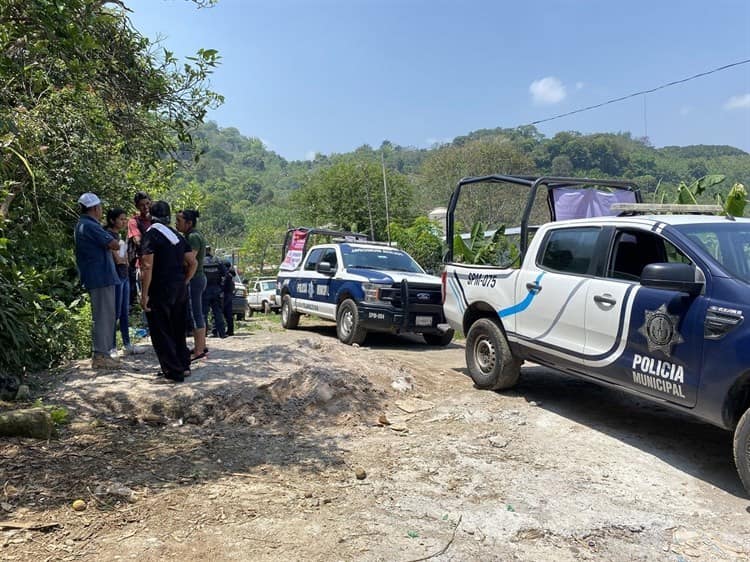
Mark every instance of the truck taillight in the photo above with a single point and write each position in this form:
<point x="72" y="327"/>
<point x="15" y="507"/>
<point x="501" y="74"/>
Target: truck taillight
<point x="443" y="280"/>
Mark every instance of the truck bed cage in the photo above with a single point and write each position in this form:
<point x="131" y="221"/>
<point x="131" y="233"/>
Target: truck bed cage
<point x="331" y="234"/>
<point x="533" y="183"/>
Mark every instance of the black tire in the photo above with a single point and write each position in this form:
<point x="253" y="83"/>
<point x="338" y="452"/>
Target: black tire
<point x="742" y="449"/>
<point x="348" y="327"/>
<point x="289" y="318"/>
<point x="441" y="339"/>
<point x="250" y="312"/>
<point x="240" y="316"/>
<point x="488" y="357"/>
<point x="266" y="306"/>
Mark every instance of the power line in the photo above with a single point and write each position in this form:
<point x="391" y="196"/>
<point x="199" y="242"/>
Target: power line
<point x="642" y="92"/>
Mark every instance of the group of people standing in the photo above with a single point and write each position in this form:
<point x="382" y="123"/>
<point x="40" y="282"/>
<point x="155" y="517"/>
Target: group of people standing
<point x="172" y="271"/>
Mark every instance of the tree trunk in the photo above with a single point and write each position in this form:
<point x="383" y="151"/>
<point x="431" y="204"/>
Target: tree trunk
<point x="32" y="422"/>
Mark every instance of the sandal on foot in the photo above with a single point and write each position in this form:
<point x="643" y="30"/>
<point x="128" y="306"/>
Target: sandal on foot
<point x="200" y="356"/>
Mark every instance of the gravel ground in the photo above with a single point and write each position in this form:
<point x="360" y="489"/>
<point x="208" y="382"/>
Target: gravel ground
<point x="288" y="445"/>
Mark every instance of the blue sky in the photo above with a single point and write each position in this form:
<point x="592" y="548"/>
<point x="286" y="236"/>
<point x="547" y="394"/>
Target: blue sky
<point x="328" y="76"/>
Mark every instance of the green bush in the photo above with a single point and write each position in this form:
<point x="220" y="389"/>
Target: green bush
<point x="38" y="330"/>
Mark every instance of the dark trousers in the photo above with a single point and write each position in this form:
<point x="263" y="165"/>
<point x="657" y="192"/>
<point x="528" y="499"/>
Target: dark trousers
<point x="226" y="305"/>
<point x="212" y="302"/>
<point x="167" y="324"/>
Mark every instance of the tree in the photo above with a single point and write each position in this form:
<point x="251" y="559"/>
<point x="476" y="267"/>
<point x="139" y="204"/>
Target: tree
<point x="86" y="104"/>
<point x="262" y="244"/>
<point x="422" y="240"/>
<point x="350" y="195"/>
<point x="446" y="165"/>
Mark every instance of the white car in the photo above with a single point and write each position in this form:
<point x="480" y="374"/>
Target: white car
<point x="261" y="295"/>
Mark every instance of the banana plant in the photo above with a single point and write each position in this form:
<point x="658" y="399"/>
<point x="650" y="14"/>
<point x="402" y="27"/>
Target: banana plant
<point x="479" y="250"/>
<point x="688" y="194"/>
<point x="735" y="202"/>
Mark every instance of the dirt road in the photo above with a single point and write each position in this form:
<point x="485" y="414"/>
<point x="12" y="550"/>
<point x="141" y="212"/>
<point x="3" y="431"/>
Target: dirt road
<point x="292" y="446"/>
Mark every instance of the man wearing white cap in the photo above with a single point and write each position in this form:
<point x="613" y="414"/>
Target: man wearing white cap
<point x="98" y="276"/>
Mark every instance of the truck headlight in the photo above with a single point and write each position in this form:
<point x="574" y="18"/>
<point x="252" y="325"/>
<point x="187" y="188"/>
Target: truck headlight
<point x="372" y="292"/>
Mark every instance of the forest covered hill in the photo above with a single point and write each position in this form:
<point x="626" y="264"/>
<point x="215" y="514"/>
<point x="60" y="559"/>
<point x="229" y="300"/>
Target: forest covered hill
<point x="242" y="170"/>
<point x="239" y="182"/>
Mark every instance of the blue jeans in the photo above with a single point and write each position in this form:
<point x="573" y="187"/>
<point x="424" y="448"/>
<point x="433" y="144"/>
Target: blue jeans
<point x="195" y="302"/>
<point x="122" y="312"/>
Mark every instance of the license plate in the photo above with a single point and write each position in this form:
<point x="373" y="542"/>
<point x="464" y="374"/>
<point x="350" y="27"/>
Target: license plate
<point x="423" y="321"/>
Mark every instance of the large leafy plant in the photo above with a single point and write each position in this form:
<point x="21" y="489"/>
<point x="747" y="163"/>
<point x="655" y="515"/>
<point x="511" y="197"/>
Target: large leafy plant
<point x="480" y="250"/>
<point x="688" y="194"/>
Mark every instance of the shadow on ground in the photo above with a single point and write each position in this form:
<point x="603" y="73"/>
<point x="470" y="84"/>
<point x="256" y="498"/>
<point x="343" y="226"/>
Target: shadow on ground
<point x="236" y="416"/>
<point x="696" y="448"/>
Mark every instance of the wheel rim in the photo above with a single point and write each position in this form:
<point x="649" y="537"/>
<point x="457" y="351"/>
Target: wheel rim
<point x="484" y="355"/>
<point x="347" y="322"/>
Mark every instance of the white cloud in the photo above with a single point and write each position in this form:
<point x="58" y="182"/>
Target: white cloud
<point x="685" y="110"/>
<point x="579" y="85"/>
<point x="738" y="102"/>
<point x="310" y="155"/>
<point x="547" y="91"/>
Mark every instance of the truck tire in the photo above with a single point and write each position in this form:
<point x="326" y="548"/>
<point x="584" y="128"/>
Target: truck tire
<point x="249" y="311"/>
<point x="289" y="318"/>
<point x="266" y="307"/>
<point x="348" y="327"/>
<point x="441" y="339"/>
<point x="742" y="449"/>
<point x="488" y="357"/>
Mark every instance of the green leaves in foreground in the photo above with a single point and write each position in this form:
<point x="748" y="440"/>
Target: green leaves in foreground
<point x="497" y="250"/>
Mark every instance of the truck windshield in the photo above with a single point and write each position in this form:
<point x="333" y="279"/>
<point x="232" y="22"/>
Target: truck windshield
<point x="727" y="243"/>
<point x="380" y="258"/>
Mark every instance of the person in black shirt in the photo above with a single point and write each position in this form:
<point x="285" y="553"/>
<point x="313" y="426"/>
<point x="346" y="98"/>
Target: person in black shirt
<point x="167" y="265"/>
<point x="215" y="272"/>
<point x="227" y="292"/>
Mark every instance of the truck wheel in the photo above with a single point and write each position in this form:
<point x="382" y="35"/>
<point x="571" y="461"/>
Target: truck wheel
<point x="266" y="307"/>
<point x="289" y="318"/>
<point x="742" y="449"/>
<point x="488" y="357"/>
<point x="250" y="312"/>
<point x="348" y="327"/>
<point x="441" y="339"/>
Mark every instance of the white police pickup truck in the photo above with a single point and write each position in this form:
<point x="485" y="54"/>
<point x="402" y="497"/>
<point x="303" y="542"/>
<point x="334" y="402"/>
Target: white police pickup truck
<point x="364" y="286"/>
<point x="653" y="304"/>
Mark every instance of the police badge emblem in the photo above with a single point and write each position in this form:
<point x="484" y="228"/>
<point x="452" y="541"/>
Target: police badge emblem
<point x="660" y="330"/>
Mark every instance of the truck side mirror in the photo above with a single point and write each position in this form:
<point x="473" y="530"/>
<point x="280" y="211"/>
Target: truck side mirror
<point x="682" y="277"/>
<point x="324" y="267"/>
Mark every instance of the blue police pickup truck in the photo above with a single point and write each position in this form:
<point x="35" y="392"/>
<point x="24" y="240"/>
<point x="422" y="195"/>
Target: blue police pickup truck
<point x="363" y="286"/>
<point x="642" y="299"/>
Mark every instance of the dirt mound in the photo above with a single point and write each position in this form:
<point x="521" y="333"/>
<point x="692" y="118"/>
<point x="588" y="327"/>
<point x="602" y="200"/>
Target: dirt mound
<point x="306" y="394"/>
<point x="292" y="383"/>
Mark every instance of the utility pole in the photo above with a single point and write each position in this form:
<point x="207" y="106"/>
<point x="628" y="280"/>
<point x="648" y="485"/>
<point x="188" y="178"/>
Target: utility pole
<point x="385" y="189"/>
<point x="369" y="206"/>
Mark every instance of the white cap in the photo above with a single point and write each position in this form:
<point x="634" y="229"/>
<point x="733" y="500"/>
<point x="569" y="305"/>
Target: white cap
<point x="89" y="200"/>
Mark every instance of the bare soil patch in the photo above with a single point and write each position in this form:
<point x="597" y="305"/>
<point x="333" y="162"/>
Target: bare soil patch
<point x="287" y="445"/>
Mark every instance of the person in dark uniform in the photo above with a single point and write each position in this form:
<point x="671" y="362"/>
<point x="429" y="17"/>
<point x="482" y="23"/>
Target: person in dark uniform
<point x="227" y="292"/>
<point x="167" y="265"/>
<point x="215" y="272"/>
